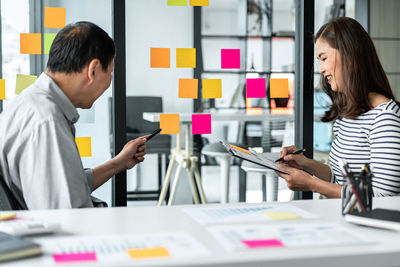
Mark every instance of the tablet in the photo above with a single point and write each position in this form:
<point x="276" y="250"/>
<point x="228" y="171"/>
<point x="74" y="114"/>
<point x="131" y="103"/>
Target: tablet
<point x="254" y="158"/>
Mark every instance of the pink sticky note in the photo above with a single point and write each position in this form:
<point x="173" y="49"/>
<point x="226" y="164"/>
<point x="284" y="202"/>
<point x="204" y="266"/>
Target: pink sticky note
<point x="74" y="257"/>
<point x="230" y="58"/>
<point x="201" y="123"/>
<point x="255" y="88"/>
<point x="263" y="243"/>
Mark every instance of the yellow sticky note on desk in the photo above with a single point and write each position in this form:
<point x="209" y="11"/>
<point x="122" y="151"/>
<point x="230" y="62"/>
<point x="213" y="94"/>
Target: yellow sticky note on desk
<point x="169" y="123"/>
<point x="54" y="17"/>
<point x="148" y="253"/>
<point x="282" y="215"/>
<point x="84" y="145"/>
<point x="198" y="2"/>
<point x="279" y="88"/>
<point x="186" y="57"/>
<point x="23" y="81"/>
<point x="2" y="89"/>
<point x="212" y="88"/>
<point x="31" y="43"/>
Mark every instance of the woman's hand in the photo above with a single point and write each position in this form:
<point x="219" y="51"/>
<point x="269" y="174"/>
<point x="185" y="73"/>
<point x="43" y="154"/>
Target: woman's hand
<point x="298" y="161"/>
<point x="297" y="179"/>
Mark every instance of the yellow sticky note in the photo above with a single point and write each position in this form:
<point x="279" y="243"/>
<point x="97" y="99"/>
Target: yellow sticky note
<point x="169" y="123"/>
<point x="160" y="57"/>
<point x="84" y="145"/>
<point x="212" y="88"/>
<point x="198" y="2"/>
<point x="188" y="88"/>
<point x="54" y="17"/>
<point x="148" y="253"/>
<point x="282" y="215"/>
<point x="23" y="81"/>
<point x="279" y="88"/>
<point x="4" y="216"/>
<point x="31" y="43"/>
<point x="186" y="57"/>
<point x="176" y="2"/>
<point x="2" y="89"/>
<point x="48" y="41"/>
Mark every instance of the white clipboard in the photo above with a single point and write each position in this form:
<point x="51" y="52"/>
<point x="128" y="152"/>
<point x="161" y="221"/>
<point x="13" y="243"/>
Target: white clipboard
<point x="254" y="158"/>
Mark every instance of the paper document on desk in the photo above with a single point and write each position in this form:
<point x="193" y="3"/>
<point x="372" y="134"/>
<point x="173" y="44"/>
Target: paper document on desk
<point x="252" y="157"/>
<point x="118" y="249"/>
<point x="247" y="213"/>
<point x="244" y="237"/>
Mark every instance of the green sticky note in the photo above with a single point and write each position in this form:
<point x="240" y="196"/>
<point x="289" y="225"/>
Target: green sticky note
<point x="176" y="2"/>
<point x="48" y="41"/>
<point x="23" y="81"/>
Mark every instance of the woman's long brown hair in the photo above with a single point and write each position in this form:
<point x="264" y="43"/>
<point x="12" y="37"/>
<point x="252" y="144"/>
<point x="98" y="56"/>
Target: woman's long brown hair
<point x="362" y="70"/>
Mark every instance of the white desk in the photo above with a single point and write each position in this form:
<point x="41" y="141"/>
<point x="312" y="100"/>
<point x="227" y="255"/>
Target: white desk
<point x="385" y="251"/>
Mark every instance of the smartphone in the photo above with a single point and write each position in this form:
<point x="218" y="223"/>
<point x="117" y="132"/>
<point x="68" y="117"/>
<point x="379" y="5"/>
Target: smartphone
<point x="153" y="134"/>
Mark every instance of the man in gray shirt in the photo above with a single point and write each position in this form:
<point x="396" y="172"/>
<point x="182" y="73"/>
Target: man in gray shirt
<point x="39" y="158"/>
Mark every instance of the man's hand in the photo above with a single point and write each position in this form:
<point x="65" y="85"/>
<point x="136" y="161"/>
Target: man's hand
<point x="132" y="153"/>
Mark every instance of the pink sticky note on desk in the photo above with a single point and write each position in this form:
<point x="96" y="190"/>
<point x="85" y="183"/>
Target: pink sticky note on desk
<point x="201" y="123"/>
<point x="263" y="243"/>
<point x="255" y="88"/>
<point x="74" y="257"/>
<point x="230" y="58"/>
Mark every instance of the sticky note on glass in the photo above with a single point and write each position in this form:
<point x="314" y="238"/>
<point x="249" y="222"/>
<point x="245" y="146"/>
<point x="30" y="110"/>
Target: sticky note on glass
<point x="188" y="88"/>
<point x="54" y="17"/>
<point x="198" y="2"/>
<point x="48" y="41"/>
<point x="31" y="43"/>
<point x="176" y="2"/>
<point x="148" y="253"/>
<point x="160" y="58"/>
<point x="75" y="257"/>
<point x="169" y="123"/>
<point x="255" y="88"/>
<point x="230" y="58"/>
<point x="282" y="215"/>
<point x="279" y="88"/>
<point x="201" y="123"/>
<point x="2" y="89"/>
<point x="212" y="88"/>
<point x="84" y="145"/>
<point x="23" y="81"/>
<point x="186" y="57"/>
<point x="263" y="243"/>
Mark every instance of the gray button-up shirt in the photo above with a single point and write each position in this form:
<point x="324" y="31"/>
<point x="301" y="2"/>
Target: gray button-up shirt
<point x="39" y="157"/>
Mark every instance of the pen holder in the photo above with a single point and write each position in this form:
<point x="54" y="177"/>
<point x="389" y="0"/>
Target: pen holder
<point x="357" y="194"/>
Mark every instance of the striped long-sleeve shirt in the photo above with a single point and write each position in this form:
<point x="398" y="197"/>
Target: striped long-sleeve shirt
<point x="374" y="138"/>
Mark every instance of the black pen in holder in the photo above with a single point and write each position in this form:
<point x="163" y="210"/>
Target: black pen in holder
<point x="357" y="191"/>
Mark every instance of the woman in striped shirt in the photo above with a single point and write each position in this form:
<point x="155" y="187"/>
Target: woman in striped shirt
<point x="365" y="111"/>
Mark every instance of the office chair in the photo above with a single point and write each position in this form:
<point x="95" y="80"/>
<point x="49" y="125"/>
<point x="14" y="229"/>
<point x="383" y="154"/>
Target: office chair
<point x="160" y="144"/>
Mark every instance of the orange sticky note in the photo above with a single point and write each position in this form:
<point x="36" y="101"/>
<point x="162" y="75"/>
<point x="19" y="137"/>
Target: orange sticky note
<point x="2" y="89"/>
<point x="186" y="57"/>
<point x="84" y="145"/>
<point x="31" y="43"/>
<point x="198" y="2"/>
<point x="169" y="123"/>
<point x="279" y="88"/>
<point x="188" y="88"/>
<point x="54" y="17"/>
<point x="160" y="57"/>
<point x="148" y="253"/>
<point x="212" y="88"/>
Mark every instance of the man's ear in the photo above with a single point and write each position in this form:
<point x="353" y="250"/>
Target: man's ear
<point x="93" y="68"/>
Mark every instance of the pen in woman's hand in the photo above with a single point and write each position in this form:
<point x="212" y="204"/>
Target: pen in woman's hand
<point x="294" y="153"/>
